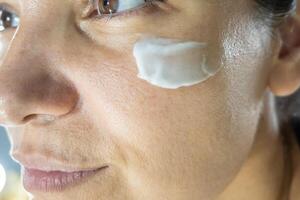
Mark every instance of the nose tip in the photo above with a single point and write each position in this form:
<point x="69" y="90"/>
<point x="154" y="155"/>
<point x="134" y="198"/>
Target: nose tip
<point x="35" y="94"/>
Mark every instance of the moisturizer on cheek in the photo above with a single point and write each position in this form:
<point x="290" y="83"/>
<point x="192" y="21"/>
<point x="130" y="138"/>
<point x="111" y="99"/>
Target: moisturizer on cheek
<point x="170" y="64"/>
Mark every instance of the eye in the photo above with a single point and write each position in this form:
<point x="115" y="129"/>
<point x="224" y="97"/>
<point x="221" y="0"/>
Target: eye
<point x="115" y="6"/>
<point x="8" y="19"/>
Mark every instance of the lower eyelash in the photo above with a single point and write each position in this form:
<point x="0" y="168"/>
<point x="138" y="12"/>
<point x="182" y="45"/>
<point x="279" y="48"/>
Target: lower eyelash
<point x="147" y="7"/>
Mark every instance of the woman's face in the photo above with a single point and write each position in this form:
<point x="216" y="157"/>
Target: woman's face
<point x="70" y="97"/>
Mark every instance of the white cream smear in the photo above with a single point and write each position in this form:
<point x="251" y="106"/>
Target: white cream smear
<point x="171" y="64"/>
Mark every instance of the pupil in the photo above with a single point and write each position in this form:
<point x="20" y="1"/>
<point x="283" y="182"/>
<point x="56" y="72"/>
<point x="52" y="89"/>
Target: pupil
<point x="106" y="3"/>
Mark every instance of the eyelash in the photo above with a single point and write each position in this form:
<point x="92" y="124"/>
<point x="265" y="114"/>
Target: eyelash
<point x="147" y="7"/>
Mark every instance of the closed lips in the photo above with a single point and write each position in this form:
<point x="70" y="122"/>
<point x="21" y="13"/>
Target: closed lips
<point x="47" y="181"/>
<point x="43" y="173"/>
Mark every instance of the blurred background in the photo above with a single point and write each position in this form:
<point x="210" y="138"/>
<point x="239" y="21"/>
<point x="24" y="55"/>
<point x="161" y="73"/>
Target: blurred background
<point x="10" y="179"/>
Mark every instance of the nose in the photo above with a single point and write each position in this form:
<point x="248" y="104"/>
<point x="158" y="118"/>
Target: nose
<point x="31" y="86"/>
<point x="29" y="93"/>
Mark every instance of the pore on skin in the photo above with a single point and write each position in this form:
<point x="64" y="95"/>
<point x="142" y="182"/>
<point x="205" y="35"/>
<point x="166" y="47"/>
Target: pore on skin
<point x="170" y="63"/>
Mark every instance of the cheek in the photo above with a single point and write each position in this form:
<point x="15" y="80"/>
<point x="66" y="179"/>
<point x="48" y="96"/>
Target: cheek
<point x="193" y="138"/>
<point x="5" y="38"/>
<point x="3" y="46"/>
<point x="174" y="139"/>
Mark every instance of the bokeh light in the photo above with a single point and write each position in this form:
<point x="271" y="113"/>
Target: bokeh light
<point x="11" y="187"/>
<point x="2" y="178"/>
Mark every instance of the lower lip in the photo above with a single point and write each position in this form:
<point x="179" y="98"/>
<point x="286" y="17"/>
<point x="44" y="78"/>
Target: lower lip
<point x="37" y="180"/>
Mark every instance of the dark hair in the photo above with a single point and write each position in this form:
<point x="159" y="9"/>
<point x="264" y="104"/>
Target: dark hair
<point x="277" y="7"/>
<point x="274" y="11"/>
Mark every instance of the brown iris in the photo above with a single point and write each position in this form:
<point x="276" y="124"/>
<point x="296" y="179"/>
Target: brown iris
<point x="107" y="6"/>
<point x="6" y="18"/>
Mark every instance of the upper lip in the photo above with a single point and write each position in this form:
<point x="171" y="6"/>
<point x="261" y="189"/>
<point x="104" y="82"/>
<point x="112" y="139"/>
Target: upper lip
<point x="44" y="163"/>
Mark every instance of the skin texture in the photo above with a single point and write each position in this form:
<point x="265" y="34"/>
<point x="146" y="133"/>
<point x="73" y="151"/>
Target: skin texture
<point x="191" y="143"/>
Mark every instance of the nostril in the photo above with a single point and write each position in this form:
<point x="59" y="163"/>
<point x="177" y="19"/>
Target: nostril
<point x="29" y="118"/>
<point x="39" y="119"/>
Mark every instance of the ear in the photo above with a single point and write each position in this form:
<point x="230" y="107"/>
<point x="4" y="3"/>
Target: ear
<point x="285" y="77"/>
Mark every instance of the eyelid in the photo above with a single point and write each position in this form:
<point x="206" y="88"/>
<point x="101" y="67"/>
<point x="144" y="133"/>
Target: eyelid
<point x="9" y="8"/>
<point x="147" y="4"/>
<point x="88" y="9"/>
<point x="91" y="10"/>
